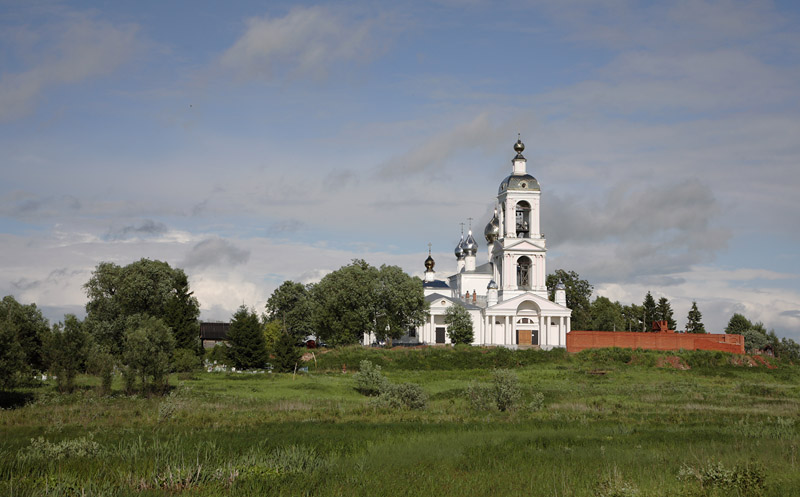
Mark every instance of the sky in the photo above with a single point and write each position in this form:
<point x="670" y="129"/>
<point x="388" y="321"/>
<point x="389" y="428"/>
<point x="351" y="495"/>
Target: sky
<point x="251" y="143"/>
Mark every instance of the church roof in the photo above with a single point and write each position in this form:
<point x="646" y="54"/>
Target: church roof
<point x="435" y="284"/>
<point x="519" y="182"/>
<point x="438" y="296"/>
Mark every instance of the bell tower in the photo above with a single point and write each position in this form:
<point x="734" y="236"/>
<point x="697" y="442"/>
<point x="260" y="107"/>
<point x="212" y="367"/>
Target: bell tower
<point x="518" y="251"/>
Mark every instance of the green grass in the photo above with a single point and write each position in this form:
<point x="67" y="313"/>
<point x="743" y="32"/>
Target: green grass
<point x="612" y="422"/>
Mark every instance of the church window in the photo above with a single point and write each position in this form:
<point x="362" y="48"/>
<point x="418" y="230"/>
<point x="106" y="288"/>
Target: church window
<point x="524" y="272"/>
<point x="523" y="219"/>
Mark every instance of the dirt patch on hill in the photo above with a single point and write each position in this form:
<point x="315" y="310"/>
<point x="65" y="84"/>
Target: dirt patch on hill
<point x="761" y="360"/>
<point x="671" y="361"/>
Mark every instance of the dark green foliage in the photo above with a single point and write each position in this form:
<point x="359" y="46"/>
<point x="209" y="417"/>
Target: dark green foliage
<point x="13" y="367"/>
<point x="369" y="379"/>
<point x="68" y="351"/>
<point x="632" y="318"/>
<point x="31" y="330"/>
<point x="182" y="315"/>
<point x="218" y="354"/>
<point x="101" y="364"/>
<point x="358" y="299"/>
<point x="664" y="313"/>
<point x="185" y="361"/>
<point x="290" y="305"/>
<point x="144" y="287"/>
<point x="606" y="315"/>
<point x="248" y="349"/>
<point x="578" y="292"/>
<point x="738" y="324"/>
<point x="506" y="389"/>
<point x="648" y="312"/>
<point x="459" y="324"/>
<point x="694" y="320"/>
<point x="147" y="350"/>
<point x="287" y="354"/>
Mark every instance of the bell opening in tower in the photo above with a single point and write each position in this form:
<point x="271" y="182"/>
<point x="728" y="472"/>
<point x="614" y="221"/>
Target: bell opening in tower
<point x="524" y="273"/>
<point x="523" y="212"/>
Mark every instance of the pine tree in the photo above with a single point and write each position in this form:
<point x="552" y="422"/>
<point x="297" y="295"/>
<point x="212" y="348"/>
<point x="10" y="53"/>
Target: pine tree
<point x="248" y="349"/>
<point x="694" y="323"/>
<point x="649" y="312"/>
<point x="664" y="313"/>
<point x="287" y="353"/>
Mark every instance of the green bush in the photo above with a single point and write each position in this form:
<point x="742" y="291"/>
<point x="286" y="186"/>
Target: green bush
<point x="369" y="379"/>
<point x="614" y="485"/>
<point x="218" y="353"/>
<point x="66" y="449"/>
<point x="185" y="361"/>
<point x="479" y="396"/>
<point x="537" y="402"/>
<point x="505" y="386"/>
<point x="744" y="479"/>
<point x="402" y="396"/>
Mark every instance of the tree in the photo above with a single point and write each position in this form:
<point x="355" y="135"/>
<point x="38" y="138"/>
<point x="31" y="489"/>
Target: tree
<point x="400" y="303"/>
<point x="754" y="340"/>
<point x="68" y="351"/>
<point x="738" y="324"/>
<point x="648" y="312"/>
<point x="606" y="315"/>
<point x="664" y="313"/>
<point x="459" y="324"/>
<point x="344" y="303"/>
<point x="30" y="328"/>
<point x="287" y="353"/>
<point x="144" y="287"/>
<point x="290" y="305"/>
<point x="147" y="349"/>
<point x="632" y="317"/>
<point x="182" y="313"/>
<point x="272" y="333"/>
<point x="248" y="349"/>
<point x="694" y="323"/>
<point x="359" y="298"/>
<point x="578" y="292"/>
<point x="13" y="366"/>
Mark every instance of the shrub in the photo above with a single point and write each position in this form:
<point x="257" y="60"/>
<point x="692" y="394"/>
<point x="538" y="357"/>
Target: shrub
<point x="66" y="449"/>
<point x="614" y="485"/>
<point x="537" y="402"/>
<point x="505" y="386"/>
<point x="402" y="396"/>
<point x="185" y="361"/>
<point x="218" y="354"/>
<point x="369" y="379"/>
<point x="479" y="396"/>
<point x="744" y="479"/>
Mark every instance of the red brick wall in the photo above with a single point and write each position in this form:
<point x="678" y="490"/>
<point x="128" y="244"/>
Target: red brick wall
<point x="578" y="340"/>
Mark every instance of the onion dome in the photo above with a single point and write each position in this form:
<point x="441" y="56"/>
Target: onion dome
<point x="492" y="230"/>
<point x="492" y="285"/>
<point x="470" y="245"/>
<point x="519" y="182"/>
<point x="519" y="147"/>
<point x="459" y="251"/>
<point x="560" y="285"/>
<point x="429" y="263"/>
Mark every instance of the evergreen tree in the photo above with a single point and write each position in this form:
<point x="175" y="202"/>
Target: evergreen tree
<point x="694" y="323"/>
<point x="648" y="312"/>
<point x="459" y="324"/>
<point x="248" y="349"/>
<point x="664" y="313"/>
<point x="287" y="354"/>
<point x="738" y="324"/>
<point x="182" y="313"/>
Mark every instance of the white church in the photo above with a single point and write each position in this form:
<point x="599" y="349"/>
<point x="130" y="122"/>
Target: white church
<point x="506" y="296"/>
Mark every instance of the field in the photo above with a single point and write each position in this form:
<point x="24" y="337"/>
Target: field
<point x="612" y="423"/>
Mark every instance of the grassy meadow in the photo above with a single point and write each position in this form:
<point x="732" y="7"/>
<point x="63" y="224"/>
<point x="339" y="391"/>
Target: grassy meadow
<point x="613" y="423"/>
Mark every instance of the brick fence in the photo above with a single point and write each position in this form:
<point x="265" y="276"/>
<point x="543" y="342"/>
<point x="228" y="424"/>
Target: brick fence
<point x="578" y="340"/>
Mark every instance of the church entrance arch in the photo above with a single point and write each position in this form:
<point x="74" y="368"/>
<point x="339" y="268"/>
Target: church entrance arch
<point x="526" y="324"/>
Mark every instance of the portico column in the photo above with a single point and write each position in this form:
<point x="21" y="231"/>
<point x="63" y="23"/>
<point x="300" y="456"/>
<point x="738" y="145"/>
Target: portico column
<point x="547" y="325"/>
<point x="430" y="331"/>
<point x="562" y="333"/>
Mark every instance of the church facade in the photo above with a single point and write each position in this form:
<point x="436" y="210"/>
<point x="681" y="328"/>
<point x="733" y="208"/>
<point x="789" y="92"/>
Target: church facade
<point x="506" y="296"/>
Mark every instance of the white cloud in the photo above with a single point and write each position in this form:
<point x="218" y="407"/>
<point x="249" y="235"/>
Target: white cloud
<point x="307" y="42"/>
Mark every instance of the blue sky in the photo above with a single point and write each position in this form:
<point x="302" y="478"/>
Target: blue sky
<point x="256" y="142"/>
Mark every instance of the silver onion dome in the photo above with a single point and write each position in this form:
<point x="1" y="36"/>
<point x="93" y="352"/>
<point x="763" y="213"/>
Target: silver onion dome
<point x="459" y="251"/>
<point x="492" y="285"/>
<point x="560" y="285"/>
<point x="492" y="230"/>
<point x="470" y="245"/>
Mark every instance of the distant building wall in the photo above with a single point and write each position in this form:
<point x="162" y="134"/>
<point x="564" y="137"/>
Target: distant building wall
<point x="578" y="340"/>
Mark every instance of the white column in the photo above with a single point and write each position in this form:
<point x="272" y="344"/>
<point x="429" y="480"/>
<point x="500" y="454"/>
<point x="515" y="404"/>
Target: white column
<point x="547" y="325"/>
<point x="431" y="334"/>
<point x="562" y="332"/>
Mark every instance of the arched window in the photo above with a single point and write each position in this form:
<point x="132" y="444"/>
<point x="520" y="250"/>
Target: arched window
<point x="524" y="272"/>
<point x="523" y="213"/>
